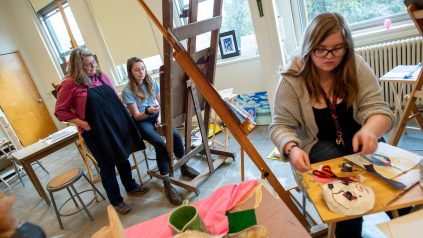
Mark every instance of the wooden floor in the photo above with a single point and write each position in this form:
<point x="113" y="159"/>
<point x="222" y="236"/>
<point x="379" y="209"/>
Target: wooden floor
<point x="30" y="207"/>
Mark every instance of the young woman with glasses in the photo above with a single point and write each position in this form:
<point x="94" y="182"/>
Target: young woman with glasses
<point x="328" y="103"/>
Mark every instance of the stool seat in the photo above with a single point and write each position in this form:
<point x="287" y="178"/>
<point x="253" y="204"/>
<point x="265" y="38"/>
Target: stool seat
<point x="64" y="179"/>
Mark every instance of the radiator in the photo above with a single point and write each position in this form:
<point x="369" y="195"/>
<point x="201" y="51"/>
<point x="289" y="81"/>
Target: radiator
<point x="384" y="57"/>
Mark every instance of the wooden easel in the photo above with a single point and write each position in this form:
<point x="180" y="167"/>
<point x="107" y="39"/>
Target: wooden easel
<point x="179" y="97"/>
<point x="238" y="128"/>
<point x="411" y="110"/>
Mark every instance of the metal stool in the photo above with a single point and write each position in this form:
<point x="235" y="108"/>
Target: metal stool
<point x="66" y="180"/>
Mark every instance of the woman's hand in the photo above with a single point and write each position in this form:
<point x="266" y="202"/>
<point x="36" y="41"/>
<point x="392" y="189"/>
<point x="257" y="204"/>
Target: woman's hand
<point x="367" y="139"/>
<point x="299" y="159"/>
<point x="154" y="109"/>
<point x="81" y="123"/>
<point x="7" y="222"/>
<point x="370" y="132"/>
<point x="158" y="122"/>
<point x="85" y="125"/>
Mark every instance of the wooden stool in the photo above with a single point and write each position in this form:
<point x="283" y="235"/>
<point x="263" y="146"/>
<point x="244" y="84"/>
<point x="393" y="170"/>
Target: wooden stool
<point x="66" y="180"/>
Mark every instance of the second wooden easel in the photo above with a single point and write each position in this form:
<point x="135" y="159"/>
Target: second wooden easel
<point x="179" y="97"/>
<point x="411" y="110"/>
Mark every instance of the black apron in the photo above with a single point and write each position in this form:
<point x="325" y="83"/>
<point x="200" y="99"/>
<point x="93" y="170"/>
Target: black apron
<point x="113" y="133"/>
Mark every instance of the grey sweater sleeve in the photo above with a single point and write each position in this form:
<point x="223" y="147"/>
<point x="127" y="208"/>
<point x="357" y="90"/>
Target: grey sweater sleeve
<point x="369" y="101"/>
<point x="284" y="121"/>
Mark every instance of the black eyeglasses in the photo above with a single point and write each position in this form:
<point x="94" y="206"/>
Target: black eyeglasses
<point x="91" y="64"/>
<point x="336" y="52"/>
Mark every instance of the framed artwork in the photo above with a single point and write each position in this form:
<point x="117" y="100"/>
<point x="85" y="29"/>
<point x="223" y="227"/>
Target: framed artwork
<point x="227" y="44"/>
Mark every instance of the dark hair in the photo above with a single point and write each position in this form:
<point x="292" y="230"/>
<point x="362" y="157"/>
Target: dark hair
<point x="133" y="84"/>
<point x="322" y="26"/>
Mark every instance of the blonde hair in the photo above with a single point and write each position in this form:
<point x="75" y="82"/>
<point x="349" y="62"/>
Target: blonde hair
<point x="133" y="84"/>
<point x="76" y="67"/>
<point x="346" y="84"/>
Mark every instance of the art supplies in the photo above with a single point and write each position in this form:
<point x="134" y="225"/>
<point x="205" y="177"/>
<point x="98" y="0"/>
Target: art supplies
<point x="402" y="193"/>
<point x="325" y="172"/>
<point x="388" y="161"/>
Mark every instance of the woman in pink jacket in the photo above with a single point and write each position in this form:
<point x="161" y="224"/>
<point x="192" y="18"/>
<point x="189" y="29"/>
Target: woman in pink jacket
<point x="88" y="99"/>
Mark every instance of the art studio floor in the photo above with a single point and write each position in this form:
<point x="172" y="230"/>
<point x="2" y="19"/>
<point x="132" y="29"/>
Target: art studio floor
<point x="28" y="206"/>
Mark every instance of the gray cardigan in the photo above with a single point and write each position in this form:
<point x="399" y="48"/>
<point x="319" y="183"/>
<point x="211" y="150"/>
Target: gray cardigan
<point x="293" y="118"/>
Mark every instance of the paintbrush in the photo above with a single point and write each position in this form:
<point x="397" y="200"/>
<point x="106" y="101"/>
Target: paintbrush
<point x="402" y="193"/>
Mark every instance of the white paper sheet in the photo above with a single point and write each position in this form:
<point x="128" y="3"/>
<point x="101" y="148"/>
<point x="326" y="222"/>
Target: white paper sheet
<point x="409" y="226"/>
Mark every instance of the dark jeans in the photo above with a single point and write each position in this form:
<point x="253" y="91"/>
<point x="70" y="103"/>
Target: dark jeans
<point x="28" y="230"/>
<point x="108" y="174"/>
<point x="149" y="133"/>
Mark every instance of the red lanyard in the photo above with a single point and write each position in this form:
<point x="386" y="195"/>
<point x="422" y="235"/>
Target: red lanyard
<point x="332" y="107"/>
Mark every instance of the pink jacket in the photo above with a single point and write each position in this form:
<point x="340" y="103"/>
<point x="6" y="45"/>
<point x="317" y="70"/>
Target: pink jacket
<point x="212" y="211"/>
<point x="72" y="98"/>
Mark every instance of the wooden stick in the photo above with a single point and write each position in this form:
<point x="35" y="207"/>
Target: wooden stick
<point x="402" y="193"/>
<point x="221" y="108"/>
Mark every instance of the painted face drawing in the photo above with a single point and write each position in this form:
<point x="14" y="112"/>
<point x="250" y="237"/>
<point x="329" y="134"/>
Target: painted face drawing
<point x="348" y="198"/>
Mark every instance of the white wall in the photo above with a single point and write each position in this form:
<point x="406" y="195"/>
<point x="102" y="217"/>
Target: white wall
<point x="19" y="32"/>
<point x="6" y="34"/>
<point x="244" y="76"/>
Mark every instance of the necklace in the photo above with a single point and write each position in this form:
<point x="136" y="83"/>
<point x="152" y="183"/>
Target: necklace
<point x="332" y="107"/>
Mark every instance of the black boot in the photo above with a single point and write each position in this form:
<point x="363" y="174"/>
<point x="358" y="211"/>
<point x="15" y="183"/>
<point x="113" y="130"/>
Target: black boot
<point x="189" y="172"/>
<point x="171" y="193"/>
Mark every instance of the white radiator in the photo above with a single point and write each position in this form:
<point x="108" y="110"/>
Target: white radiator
<point x="384" y="57"/>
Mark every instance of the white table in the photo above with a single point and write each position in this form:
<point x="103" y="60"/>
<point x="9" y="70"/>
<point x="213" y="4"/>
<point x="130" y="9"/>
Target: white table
<point x="396" y="87"/>
<point x="39" y="150"/>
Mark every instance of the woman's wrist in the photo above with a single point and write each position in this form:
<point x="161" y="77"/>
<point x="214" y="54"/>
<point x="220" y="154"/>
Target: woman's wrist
<point x="146" y="111"/>
<point x="290" y="148"/>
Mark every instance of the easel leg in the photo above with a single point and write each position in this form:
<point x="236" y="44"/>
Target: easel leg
<point x="331" y="229"/>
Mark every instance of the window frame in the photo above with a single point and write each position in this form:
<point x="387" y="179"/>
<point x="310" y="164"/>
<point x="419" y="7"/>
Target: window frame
<point x="43" y="15"/>
<point x="363" y="33"/>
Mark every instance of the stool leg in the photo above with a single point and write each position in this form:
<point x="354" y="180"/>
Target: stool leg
<point x="146" y="162"/>
<point x="73" y="197"/>
<point x="55" y="209"/>
<point x="146" y="159"/>
<point x="18" y="171"/>
<point x="41" y="165"/>
<point x="94" y="187"/>
<point x="82" y="202"/>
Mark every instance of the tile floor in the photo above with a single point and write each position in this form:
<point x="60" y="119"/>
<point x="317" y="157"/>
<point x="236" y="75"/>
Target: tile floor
<point x="28" y="206"/>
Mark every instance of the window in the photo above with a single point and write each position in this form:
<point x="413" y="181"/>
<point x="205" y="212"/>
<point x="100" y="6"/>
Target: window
<point x="365" y="17"/>
<point x="236" y="16"/>
<point x="358" y="13"/>
<point x="55" y="28"/>
<point x="152" y="63"/>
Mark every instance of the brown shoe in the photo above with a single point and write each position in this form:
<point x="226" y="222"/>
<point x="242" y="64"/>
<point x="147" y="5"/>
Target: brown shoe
<point x="138" y="191"/>
<point x="122" y="208"/>
<point x="189" y="172"/>
<point x="171" y="193"/>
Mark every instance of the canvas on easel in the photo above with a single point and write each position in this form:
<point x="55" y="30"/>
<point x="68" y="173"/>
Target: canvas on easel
<point x="180" y="100"/>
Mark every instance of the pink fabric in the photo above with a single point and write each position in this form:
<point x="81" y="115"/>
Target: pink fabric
<point x="212" y="211"/>
<point x="72" y="98"/>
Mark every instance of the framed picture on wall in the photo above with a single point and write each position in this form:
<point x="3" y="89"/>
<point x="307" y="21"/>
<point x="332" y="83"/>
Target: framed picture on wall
<point x="227" y="44"/>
